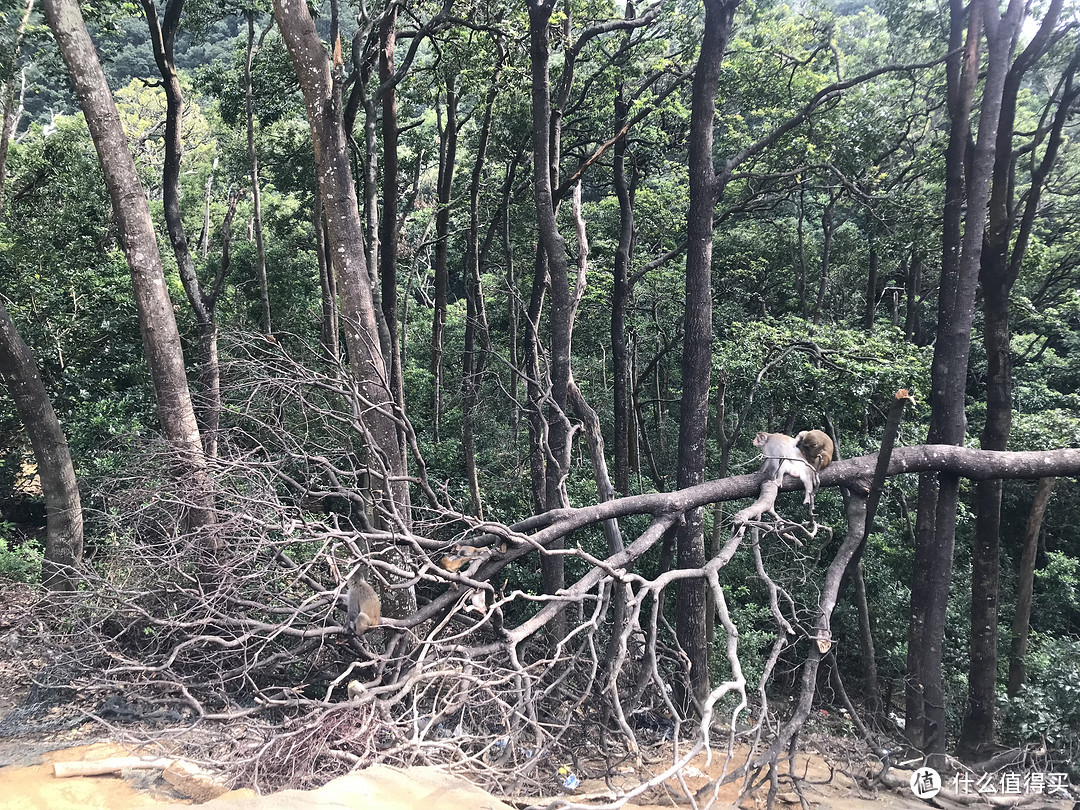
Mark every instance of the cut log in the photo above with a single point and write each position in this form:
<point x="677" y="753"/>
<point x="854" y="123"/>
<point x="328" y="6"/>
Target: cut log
<point x="96" y="767"/>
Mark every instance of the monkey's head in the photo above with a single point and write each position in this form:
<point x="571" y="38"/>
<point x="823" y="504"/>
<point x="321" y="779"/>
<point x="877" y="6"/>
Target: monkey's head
<point x="761" y="439"/>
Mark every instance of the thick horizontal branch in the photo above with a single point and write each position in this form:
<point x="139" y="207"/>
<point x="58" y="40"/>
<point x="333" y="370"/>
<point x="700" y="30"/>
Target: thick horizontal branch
<point x="857" y="472"/>
<point x="668" y="507"/>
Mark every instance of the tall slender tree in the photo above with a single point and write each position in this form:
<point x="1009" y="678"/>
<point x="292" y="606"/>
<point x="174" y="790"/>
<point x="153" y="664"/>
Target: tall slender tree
<point x="63" y="507"/>
<point x="1021" y="624"/>
<point x="690" y="621"/>
<point x="935" y="533"/>
<point x="620" y="295"/>
<point x="448" y="138"/>
<point x="163" y="38"/>
<point x="161" y="339"/>
<point x="472" y="359"/>
<point x="8" y="69"/>
<point x="253" y="170"/>
<point x="551" y="252"/>
<point x="388" y="223"/>
<point x="999" y="268"/>
<point x="322" y="99"/>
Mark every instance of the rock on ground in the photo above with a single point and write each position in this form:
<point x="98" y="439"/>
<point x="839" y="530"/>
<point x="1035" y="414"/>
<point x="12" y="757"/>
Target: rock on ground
<point x="379" y="787"/>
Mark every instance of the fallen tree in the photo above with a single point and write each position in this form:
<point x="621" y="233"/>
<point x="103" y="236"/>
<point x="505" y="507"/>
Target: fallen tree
<point x="470" y="678"/>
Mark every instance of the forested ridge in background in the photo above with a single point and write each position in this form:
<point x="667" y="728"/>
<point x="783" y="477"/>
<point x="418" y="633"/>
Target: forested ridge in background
<point x="535" y="271"/>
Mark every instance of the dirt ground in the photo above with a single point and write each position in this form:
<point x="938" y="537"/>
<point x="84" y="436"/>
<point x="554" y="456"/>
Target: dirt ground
<point x="27" y="783"/>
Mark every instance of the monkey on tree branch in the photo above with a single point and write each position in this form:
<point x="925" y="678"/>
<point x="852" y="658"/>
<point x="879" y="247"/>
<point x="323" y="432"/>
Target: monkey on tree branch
<point x="667" y="507"/>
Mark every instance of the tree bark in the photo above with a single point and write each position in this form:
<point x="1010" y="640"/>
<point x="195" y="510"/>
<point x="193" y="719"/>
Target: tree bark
<point x="209" y="399"/>
<point x="553" y="248"/>
<point x="512" y="314"/>
<point x="537" y="432"/>
<point x="253" y="165"/>
<point x="913" y="299"/>
<point x="717" y="539"/>
<point x="828" y="229"/>
<point x="871" y="285"/>
<point x="7" y="100"/>
<point x="936" y="531"/>
<point x="328" y="323"/>
<point x="388" y="224"/>
<point x="472" y="361"/>
<point x="881" y="469"/>
<point x="800" y="264"/>
<point x="997" y="281"/>
<point x="63" y="508"/>
<point x="697" y="339"/>
<point x="163" y="36"/>
<point x="620" y="297"/>
<point x="445" y="187"/>
<point x="204" y="234"/>
<point x="346" y="241"/>
<point x="961" y="75"/>
<point x="866" y="644"/>
<point x="1021" y="625"/>
<point x="157" y="321"/>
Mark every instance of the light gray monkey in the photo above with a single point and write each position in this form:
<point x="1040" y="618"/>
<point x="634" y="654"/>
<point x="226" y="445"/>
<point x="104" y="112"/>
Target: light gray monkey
<point x="782" y="455"/>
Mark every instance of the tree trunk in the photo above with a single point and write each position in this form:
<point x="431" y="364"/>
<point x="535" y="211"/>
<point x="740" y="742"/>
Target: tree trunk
<point x="204" y="235"/>
<point x="620" y="298"/>
<point x="697" y="340"/>
<point x="163" y="37"/>
<point x="717" y="538"/>
<point x="633" y="456"/>
<point x="997" y="282"/>
<point x="472" y="362"/>
<point x="388" y="225"/>
<point x="346" y="239"/>
<point x="553" y="248"/>
<point x="328" y="323"/>
<point x="913" y="299"/>
<point x="961" y="74"/>
<point x="7" y="100"/>
<point x="512" y="325"/>
<point x="445" y="187"/>
<point x="537" y="437"/>
<point x="161" y="339"/>
<point x="828" y="229"/>
<point x="63" y="509"/>
<point x="371" y="194"/>
<point x="256" y="195"/>
<point x="209" y="368"/>
<point x="1026" y="580"/>
<point x="871" y="285"/>
<point x="800" y="264"/>
<point x="935" y="538"/>
<point x="866" y="644"/>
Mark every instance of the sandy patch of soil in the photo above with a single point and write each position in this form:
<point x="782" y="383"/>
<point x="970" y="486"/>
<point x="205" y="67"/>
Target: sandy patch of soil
<point x="27" y="783"/>
<point x="33" y="787"/>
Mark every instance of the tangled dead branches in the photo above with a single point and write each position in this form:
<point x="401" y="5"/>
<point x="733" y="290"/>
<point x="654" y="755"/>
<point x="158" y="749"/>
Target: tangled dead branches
<point x="462" y="671"/>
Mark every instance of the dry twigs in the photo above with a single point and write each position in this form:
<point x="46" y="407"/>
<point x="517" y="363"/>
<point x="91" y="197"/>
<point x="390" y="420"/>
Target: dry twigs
<point x="461" y="671"/>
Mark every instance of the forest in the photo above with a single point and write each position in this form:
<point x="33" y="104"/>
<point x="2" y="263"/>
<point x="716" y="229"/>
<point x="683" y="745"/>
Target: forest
<point x="433" y="382"/>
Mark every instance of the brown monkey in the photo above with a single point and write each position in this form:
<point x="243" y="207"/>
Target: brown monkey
<point x="816" y="447"/>
<point x="363" y="610"/>
<point x="783" y="456"/>
<point x="455" y="560"/>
